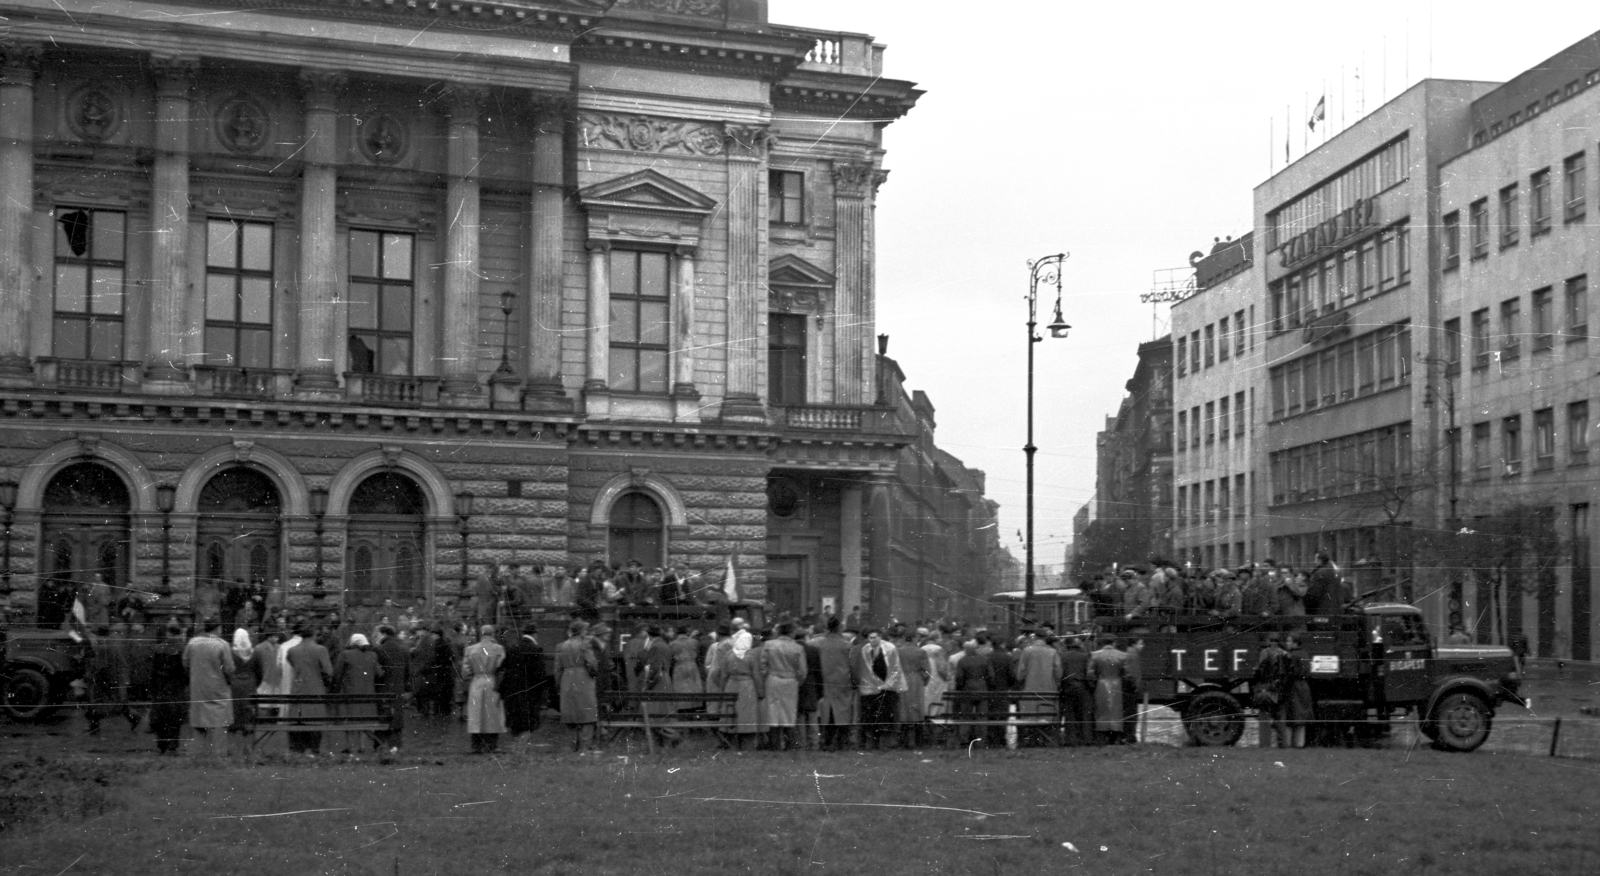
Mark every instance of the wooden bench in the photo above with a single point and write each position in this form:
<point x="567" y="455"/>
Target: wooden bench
<point x="271" y="714"/>
<point x="1000" y="708"/>
<point x="625" y="710"/>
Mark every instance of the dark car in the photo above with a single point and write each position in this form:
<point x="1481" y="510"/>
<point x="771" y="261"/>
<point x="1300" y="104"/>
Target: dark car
<point x="37" y="671"/>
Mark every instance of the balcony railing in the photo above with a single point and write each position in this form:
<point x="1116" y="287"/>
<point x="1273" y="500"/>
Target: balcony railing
<point x="242" y="382"/>
<point x="851" y="53"/>
<point x="95" y="376"/>
<point x="388" y="389"/>
<point x="864" y="419"/>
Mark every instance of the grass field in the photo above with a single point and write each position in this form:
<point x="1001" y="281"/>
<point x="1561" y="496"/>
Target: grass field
<point x="1145" y="809"/>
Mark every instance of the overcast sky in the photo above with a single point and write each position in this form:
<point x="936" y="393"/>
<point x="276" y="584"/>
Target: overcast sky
<point x="1129" y="136"/>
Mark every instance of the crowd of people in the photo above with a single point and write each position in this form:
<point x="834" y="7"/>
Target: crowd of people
<point x="1251" y="590"/>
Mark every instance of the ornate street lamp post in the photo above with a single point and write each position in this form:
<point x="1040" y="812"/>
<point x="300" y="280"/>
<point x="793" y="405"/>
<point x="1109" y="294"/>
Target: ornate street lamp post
<point x="464" y="502"/>
<point x="1046" y="270"/>
<point x="165" y="494"/>
<point x="8" y="503"/>
<point x="319" y="509"/>
<point x="507" y="299"/>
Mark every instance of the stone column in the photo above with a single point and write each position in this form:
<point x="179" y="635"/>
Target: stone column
<point x="854" y="183"/>
<point x="850" y="532"/>
<point x="19" y="68"/>
<point x="320" y="272"/>
<point x="166" y="371"/>
<point x="465" y="105"/>
<point x="879" y="486"/>
<point x="683" y="344"/>
<point x="599" y="320"/>
<point x="747" y="293"/>
<point x="547" y="220"/>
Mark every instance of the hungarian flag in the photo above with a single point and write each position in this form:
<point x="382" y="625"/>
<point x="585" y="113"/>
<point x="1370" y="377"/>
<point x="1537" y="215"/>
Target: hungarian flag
<point x="1319" y="112"/>
<point x="730" y="583"/>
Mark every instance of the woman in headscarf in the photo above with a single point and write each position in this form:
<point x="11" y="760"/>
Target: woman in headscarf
<point x="576" y="665"/>
<point x="356" y="671"/>
<point x="742" y="675"/>
<point x="246" y="677"/>
<point x="486" y="714"/>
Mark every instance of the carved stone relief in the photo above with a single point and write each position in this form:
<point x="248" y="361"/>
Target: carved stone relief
<point x="242" y="123"/>
<point x="647" y="134"/>
<point x="792" y="300"/>
<point x="95" y="112"/>
<point x="383" y="137"/>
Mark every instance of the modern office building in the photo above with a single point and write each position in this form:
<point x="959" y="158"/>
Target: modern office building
<point x="357" y="299"/>
<point x="1216" y="370"/>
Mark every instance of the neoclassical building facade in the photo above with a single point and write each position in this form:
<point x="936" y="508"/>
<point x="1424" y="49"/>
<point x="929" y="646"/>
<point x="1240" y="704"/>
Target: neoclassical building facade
<point x="361" y="296"/>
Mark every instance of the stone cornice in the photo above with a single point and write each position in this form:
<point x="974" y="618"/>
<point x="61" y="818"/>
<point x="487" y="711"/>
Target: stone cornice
<point x="558" y="18"/>
<point x="734" y="54"/>
<point x="839" y="95"/>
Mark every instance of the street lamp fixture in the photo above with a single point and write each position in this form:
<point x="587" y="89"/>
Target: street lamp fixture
<point x="464" y="502"/>
<point x="165" y="496"/>
<point x="8" y="503"/>
<point x="507" y="300"/>
<point x="1047" y="271"/>
<point x="319" y="510"/>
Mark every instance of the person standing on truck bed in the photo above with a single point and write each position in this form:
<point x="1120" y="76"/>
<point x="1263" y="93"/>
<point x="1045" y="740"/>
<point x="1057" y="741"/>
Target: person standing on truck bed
<point x="1324" y="592"/>
<point x="1291" y="592"/>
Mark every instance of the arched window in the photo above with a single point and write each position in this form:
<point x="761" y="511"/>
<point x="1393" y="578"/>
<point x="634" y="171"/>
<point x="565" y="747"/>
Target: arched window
<point x="637" y="531"/>
<point x="241" y="537"/>
<point x="86" y="526"/>
<point x="385" y="557"/>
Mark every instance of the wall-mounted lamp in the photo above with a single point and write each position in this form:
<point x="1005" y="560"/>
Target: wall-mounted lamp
<point x="319" y="509"/>
<point x="464" y="502"/>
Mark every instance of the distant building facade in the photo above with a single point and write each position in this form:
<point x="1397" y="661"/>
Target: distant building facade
<point x="1216" y="368"/>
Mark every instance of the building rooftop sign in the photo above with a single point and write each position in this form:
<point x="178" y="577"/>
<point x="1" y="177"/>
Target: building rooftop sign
<point x="1330" y="234"/>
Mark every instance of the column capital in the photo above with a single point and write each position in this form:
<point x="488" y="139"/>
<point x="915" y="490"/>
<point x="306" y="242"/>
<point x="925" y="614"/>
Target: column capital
<point x="551" y="110"/>
<point x="174" y="74"/>
<point x="464" y="102"/>
<point x="748" y="141"/>
<point x="19" y="62"/>
<point x="598" y="246"/>
<point x="320" y="89"/>
<point x="684" y="251"/>
<point x="857" y="179"/>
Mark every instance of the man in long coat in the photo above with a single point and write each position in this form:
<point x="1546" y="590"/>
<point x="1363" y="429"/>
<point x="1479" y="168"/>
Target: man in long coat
<point x="394" y="680"/>
<point x="210" y="665"/>
<point x="577" y="664"/>
<point x="480" y="668"/>
<point x="1105" y="673"/>
<point x="880" y="682"/>
<point x="914" y="669"/>
<point x="1077" y="698"/>
<point x="783" y="663"/>
<point x="522" y="683"/>
<point x="655" y="676"/>
<point x="312" y="671"/>
<point x="1038" y="671"/>
<point x="836" y="711"/>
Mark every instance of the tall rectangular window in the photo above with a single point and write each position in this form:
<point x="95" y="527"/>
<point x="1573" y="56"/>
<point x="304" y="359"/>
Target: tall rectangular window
<point x="1347" y="371"/>
<point x="1578" y="433"/>
<point x="1451" y="342"/>
<point x="1480" y="451"/>
<point x="639" y="321"/>
<point x="1452" y="239"/>
<point x="1238" y="333"/>
<point x="1183" y="356"/>
<point x="1224" y="506"/>
<point x="1211" y="501"/>
<point x="1238" y="414"/>
<point x="1224" y="422"/>
<point x="1279" y="388"/>
<point x="1544" y="439"/>
<point x="1576" y="184"/>
<point x="1211" y="345"/>
<point x="1511" y="445"/>
<point x="1240" y="501"/>
<point x="238" y="293"/>
<point x="1578" y="308"/>
<point x="1194" y="426"/>
<point x="1366" y="364"/>
<point x="1182" y="506"/>
<point x="1480" y="338"/>
<point x="1388" y="365"/>
<point x="1183" y="431"/>
<point x="1543" y="319"/>
<point x="1194" y="351"/>
<point x="90" y="269"/>
<point x="1510" y="329"/>
<point x="1510" y="220"/>
<point x="786" y="358"/>
<point x="382" y="302"/>
<point x="1222" y="339"/>
<point x="1478" y="238"/>
<point x="1539" y="208"/>
<point x="1211" y="422"/>
<point x="786" y="197"/>
<point x="1367" y="267"/>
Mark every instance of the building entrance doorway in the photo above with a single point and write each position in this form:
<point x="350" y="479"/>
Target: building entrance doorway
<point x="239" y="540"/>
<point x="86" y="533"/>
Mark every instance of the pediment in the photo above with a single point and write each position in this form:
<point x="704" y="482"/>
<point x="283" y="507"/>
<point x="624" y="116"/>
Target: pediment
<point x="645" y="191"/>
<point x="791" y="270"/>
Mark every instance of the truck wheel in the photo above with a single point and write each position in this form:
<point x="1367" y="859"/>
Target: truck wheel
<point x="1460" y="721"/>
<point x="1213" y="719"/>
<point x="27" y="694"/>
